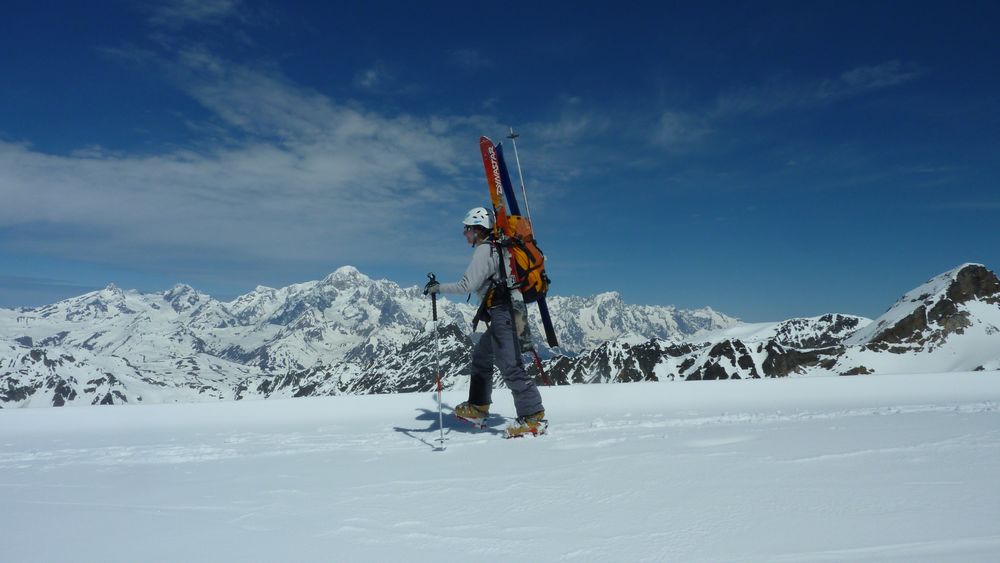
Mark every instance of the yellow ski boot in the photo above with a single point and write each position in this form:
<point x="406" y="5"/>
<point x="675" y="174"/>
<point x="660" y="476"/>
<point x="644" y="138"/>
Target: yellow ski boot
<point x="531" y="425"/>
<point x="476" y="414"/>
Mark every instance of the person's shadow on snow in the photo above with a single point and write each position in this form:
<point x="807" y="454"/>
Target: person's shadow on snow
<point x="452" y="423"/>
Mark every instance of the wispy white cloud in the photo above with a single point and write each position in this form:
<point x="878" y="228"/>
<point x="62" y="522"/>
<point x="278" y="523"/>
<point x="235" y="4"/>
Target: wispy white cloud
<point x="470" y="59"/>
<point x="574" y="122"/>
<point x="780" y="95"/>
<point x="569" y="128"/>
<point x="883" y="75"/>
<point x="297" y="176"/>
<point x="373" y="78"/>
<point x="175" y="14"/>
<point x="41" y="284"/>
<point x="679" y="132"/>
<point x="22" y="291"/>
<point x="982" y="205"/>
<point x="564" y="148"/>
<point x="676" y="130"/>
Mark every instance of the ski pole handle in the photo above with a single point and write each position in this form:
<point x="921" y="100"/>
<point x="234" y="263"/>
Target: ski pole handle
<point x="434" y="297"/>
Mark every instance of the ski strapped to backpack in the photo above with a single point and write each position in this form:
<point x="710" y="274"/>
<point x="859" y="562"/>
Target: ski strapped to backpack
<point x="520" y="256"/>
<point x="508" y="190"/>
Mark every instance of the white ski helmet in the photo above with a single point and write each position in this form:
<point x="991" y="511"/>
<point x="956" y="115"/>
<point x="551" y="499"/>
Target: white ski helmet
<point x="479" y="216"/>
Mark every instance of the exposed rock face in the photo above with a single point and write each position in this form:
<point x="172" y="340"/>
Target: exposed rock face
<point x="730" y="358"/>
<point x="781" y="361"/>
<point x="826" y="331"/>
<point x="908" y="329"/>
<point x="58" y="380"/>
<point x="727" y="359"/>
<point x="975" y="282"/>
<point x="937" y="310"/>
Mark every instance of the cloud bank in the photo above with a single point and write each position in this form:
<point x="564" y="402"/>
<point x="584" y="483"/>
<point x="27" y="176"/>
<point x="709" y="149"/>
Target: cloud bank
<point x="287" y="174"/>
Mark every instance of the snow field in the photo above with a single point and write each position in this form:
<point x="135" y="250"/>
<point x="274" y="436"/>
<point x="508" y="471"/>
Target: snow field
<point x="875" y="468"/>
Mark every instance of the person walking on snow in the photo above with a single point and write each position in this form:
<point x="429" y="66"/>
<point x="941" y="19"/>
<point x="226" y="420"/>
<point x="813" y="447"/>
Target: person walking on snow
<point x="498" y="344"/>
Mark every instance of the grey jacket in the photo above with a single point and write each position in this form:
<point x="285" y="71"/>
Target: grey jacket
<point x="482" y="271"/>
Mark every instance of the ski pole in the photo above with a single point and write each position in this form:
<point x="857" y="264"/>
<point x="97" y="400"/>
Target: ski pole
<point x="541" y="370"/>
<point x="437" y="356"/>
<point x="524" y="193"/>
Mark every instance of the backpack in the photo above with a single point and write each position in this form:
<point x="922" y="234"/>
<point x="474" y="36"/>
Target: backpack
<point x="527" y="263"/>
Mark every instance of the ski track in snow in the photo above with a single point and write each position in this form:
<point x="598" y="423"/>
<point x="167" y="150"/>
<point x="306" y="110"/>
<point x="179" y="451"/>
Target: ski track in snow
<point x="888" y="468"/>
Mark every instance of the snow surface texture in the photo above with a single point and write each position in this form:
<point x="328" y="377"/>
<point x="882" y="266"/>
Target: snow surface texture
<point x="879" y="468"/>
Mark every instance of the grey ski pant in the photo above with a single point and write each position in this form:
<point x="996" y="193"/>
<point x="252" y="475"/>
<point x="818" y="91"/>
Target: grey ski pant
<point x="499" y="345"/>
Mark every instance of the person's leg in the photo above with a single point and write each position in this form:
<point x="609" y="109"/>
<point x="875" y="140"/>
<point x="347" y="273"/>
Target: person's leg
<point x="481" y="381"/>
<point x="507" y="355"/>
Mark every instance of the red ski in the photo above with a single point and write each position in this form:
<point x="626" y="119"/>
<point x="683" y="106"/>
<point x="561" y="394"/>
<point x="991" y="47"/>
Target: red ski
<point x="525" y="261"/>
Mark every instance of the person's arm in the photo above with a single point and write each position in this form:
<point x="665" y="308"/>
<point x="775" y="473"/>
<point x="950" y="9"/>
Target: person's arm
<point x="480" y="269"/>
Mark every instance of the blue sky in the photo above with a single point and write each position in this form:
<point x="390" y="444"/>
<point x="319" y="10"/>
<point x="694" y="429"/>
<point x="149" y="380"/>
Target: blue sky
<point x="767" y="159"/>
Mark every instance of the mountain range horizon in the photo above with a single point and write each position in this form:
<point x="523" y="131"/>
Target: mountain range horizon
<point x="350" y="334"/>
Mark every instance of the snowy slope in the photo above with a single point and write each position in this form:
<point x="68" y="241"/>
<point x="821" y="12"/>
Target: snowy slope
<point x="880" y="468"/>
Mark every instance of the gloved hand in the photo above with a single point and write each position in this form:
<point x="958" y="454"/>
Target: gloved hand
<point x="432" y="287"/>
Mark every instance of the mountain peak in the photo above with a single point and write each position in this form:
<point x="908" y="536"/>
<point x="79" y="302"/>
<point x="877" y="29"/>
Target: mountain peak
<point x="932" y="311"/>
<point x="113" y="289"/>
<point x="960" y="284"/>
<point x="345" y="273"/>
<point x="182" y="297"/>
<point x="110" y="294"/>
<point x="973" y="281"/>
<point x="973" y="265"/>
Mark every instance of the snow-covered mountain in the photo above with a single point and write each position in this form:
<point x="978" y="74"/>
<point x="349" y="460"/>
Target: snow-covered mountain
<point x="346" y="333"/>
<point x="585" y="322"/>
<point x="949" y="323"/>
<point x="349" y="334"/>
<point x="800" y="346"/>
